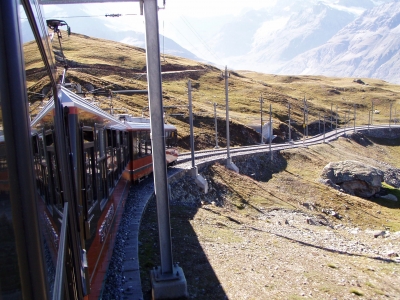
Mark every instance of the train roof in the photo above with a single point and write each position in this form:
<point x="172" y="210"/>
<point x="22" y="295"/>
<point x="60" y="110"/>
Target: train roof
<point x="88" y="110"/>
<point x="85" y="108"/>
<point x="140" y="123"/>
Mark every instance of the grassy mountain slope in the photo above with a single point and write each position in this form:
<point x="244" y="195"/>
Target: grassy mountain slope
<point x="109" y="65"/>
<point x="253" y="237"/>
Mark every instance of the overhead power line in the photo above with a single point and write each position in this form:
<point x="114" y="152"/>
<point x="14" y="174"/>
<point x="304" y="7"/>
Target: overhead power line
<point x="191" y="28"/>
<point x="96" y="16"/>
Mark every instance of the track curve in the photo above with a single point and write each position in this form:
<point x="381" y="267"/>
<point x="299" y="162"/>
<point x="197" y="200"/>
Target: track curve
<point x="123" y="275"/>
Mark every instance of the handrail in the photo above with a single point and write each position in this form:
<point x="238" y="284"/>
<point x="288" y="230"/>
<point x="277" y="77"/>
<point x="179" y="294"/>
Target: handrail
<point x="59" y="281"/>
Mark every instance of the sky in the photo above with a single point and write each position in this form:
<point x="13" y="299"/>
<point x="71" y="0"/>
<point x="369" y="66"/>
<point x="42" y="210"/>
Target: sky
<point x="184" y="21"/>
<point x="190" y="23"/>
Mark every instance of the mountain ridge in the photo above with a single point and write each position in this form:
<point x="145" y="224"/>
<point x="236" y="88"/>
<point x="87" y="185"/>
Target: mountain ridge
<point x="367" y="47"/>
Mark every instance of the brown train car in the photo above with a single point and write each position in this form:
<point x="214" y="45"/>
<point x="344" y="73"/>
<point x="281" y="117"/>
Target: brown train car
<point x="108" y="154"/>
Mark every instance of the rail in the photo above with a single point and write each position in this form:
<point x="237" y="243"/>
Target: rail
<point x="183" y="166"/>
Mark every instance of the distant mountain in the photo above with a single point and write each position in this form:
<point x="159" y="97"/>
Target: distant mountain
<point x="264" y="40"/>
<point x="367" y="47"/>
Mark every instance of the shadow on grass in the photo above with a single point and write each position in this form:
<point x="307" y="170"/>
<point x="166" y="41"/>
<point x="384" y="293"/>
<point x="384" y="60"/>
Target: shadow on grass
<point x="381" y="259"/>
<point x="385" y="141"/>
<point x="187" y="252"/>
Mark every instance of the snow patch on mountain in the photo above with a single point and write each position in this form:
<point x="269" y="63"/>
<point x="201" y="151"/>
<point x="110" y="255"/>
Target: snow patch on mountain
<point x="367" y="47"/>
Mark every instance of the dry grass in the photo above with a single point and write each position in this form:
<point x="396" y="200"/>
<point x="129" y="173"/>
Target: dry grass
<point x="117" y="66"/>
<point x="233" y="250"/>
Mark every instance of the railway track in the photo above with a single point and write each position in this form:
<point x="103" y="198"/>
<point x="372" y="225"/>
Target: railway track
<point x="123" y="276"/>
<point x="218" y="154"/>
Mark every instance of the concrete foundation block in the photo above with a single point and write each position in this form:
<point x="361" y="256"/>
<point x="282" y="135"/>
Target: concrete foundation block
<point x="202" y="183"/>
<point x="168" y="287"/>
<point x="231" y="166"/>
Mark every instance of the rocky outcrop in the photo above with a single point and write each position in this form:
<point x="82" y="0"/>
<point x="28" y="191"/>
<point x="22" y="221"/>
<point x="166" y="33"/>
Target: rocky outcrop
<point x="353" y="177"/>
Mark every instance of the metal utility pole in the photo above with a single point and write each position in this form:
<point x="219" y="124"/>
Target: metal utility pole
<point x="157" y="129"/>
<point x="229" y="162"/>
<point x="270" y="131"/>
<point x="324" y="128"/>
<point x="168" y="275"/>
<point x="304" y="119"/>
<point x="390" y="115"/>
<point x="216" y="126"/>
<point x="331" y="116"/>
<point x="355" y="118"/>
<point x="369" y="119"/>
<point x="290" y="129"/>
<point x="319" y="122"/>
<point x="191" y="122"/>
<point x="336" y="117"/>
<point x="348" y="117"/>
<point x="200" y="181"/>
<point x="307" y="122"/>
<point x="261" y="111"/>
<point x="228" y="140"/>
<point x="372" y="113"/>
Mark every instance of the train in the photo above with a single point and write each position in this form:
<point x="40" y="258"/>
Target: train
<point x="108" y="153"/>
<point x="65" y="175"/>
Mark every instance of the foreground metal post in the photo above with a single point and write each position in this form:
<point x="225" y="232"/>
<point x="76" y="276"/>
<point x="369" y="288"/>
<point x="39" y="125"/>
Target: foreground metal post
<point x="324" y="128"/>
<point x="354" y="118"/>
<point x="229" y="162"/>
<point x="216" y="126"/>
<point x="165" y="282"/>
<point x="390" y="115"/>
<point x="24" y="222"/>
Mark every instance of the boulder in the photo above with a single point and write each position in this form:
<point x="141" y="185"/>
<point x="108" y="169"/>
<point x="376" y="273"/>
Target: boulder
<point x="390" y="197"/>
<point x="354" y="177"/>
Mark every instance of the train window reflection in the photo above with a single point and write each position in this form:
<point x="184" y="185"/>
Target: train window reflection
<point x="37" y="79"/>
<point x="46" y="169"/>
<point x="9" y="274"/>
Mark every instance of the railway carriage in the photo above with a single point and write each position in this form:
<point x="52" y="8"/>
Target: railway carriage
<point x="64" y="176"/>
<point x="107" y="154"/>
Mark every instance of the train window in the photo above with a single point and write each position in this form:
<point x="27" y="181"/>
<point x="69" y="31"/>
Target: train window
<point x="38" y="83"/>
<point x="49" y="138"/>
<point x="88" y="135"/>
<point x="100" y="143"/>
<point x="169" y="139"/>
<point x="109" y="138"/>
<point x="35" y="146"/>
<point x="148" y="143"/>
<point x="145" y="144"/>
<point x="89" y="162"/>
<point x="135" y="144"/>
<point x="117" y="139"/>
